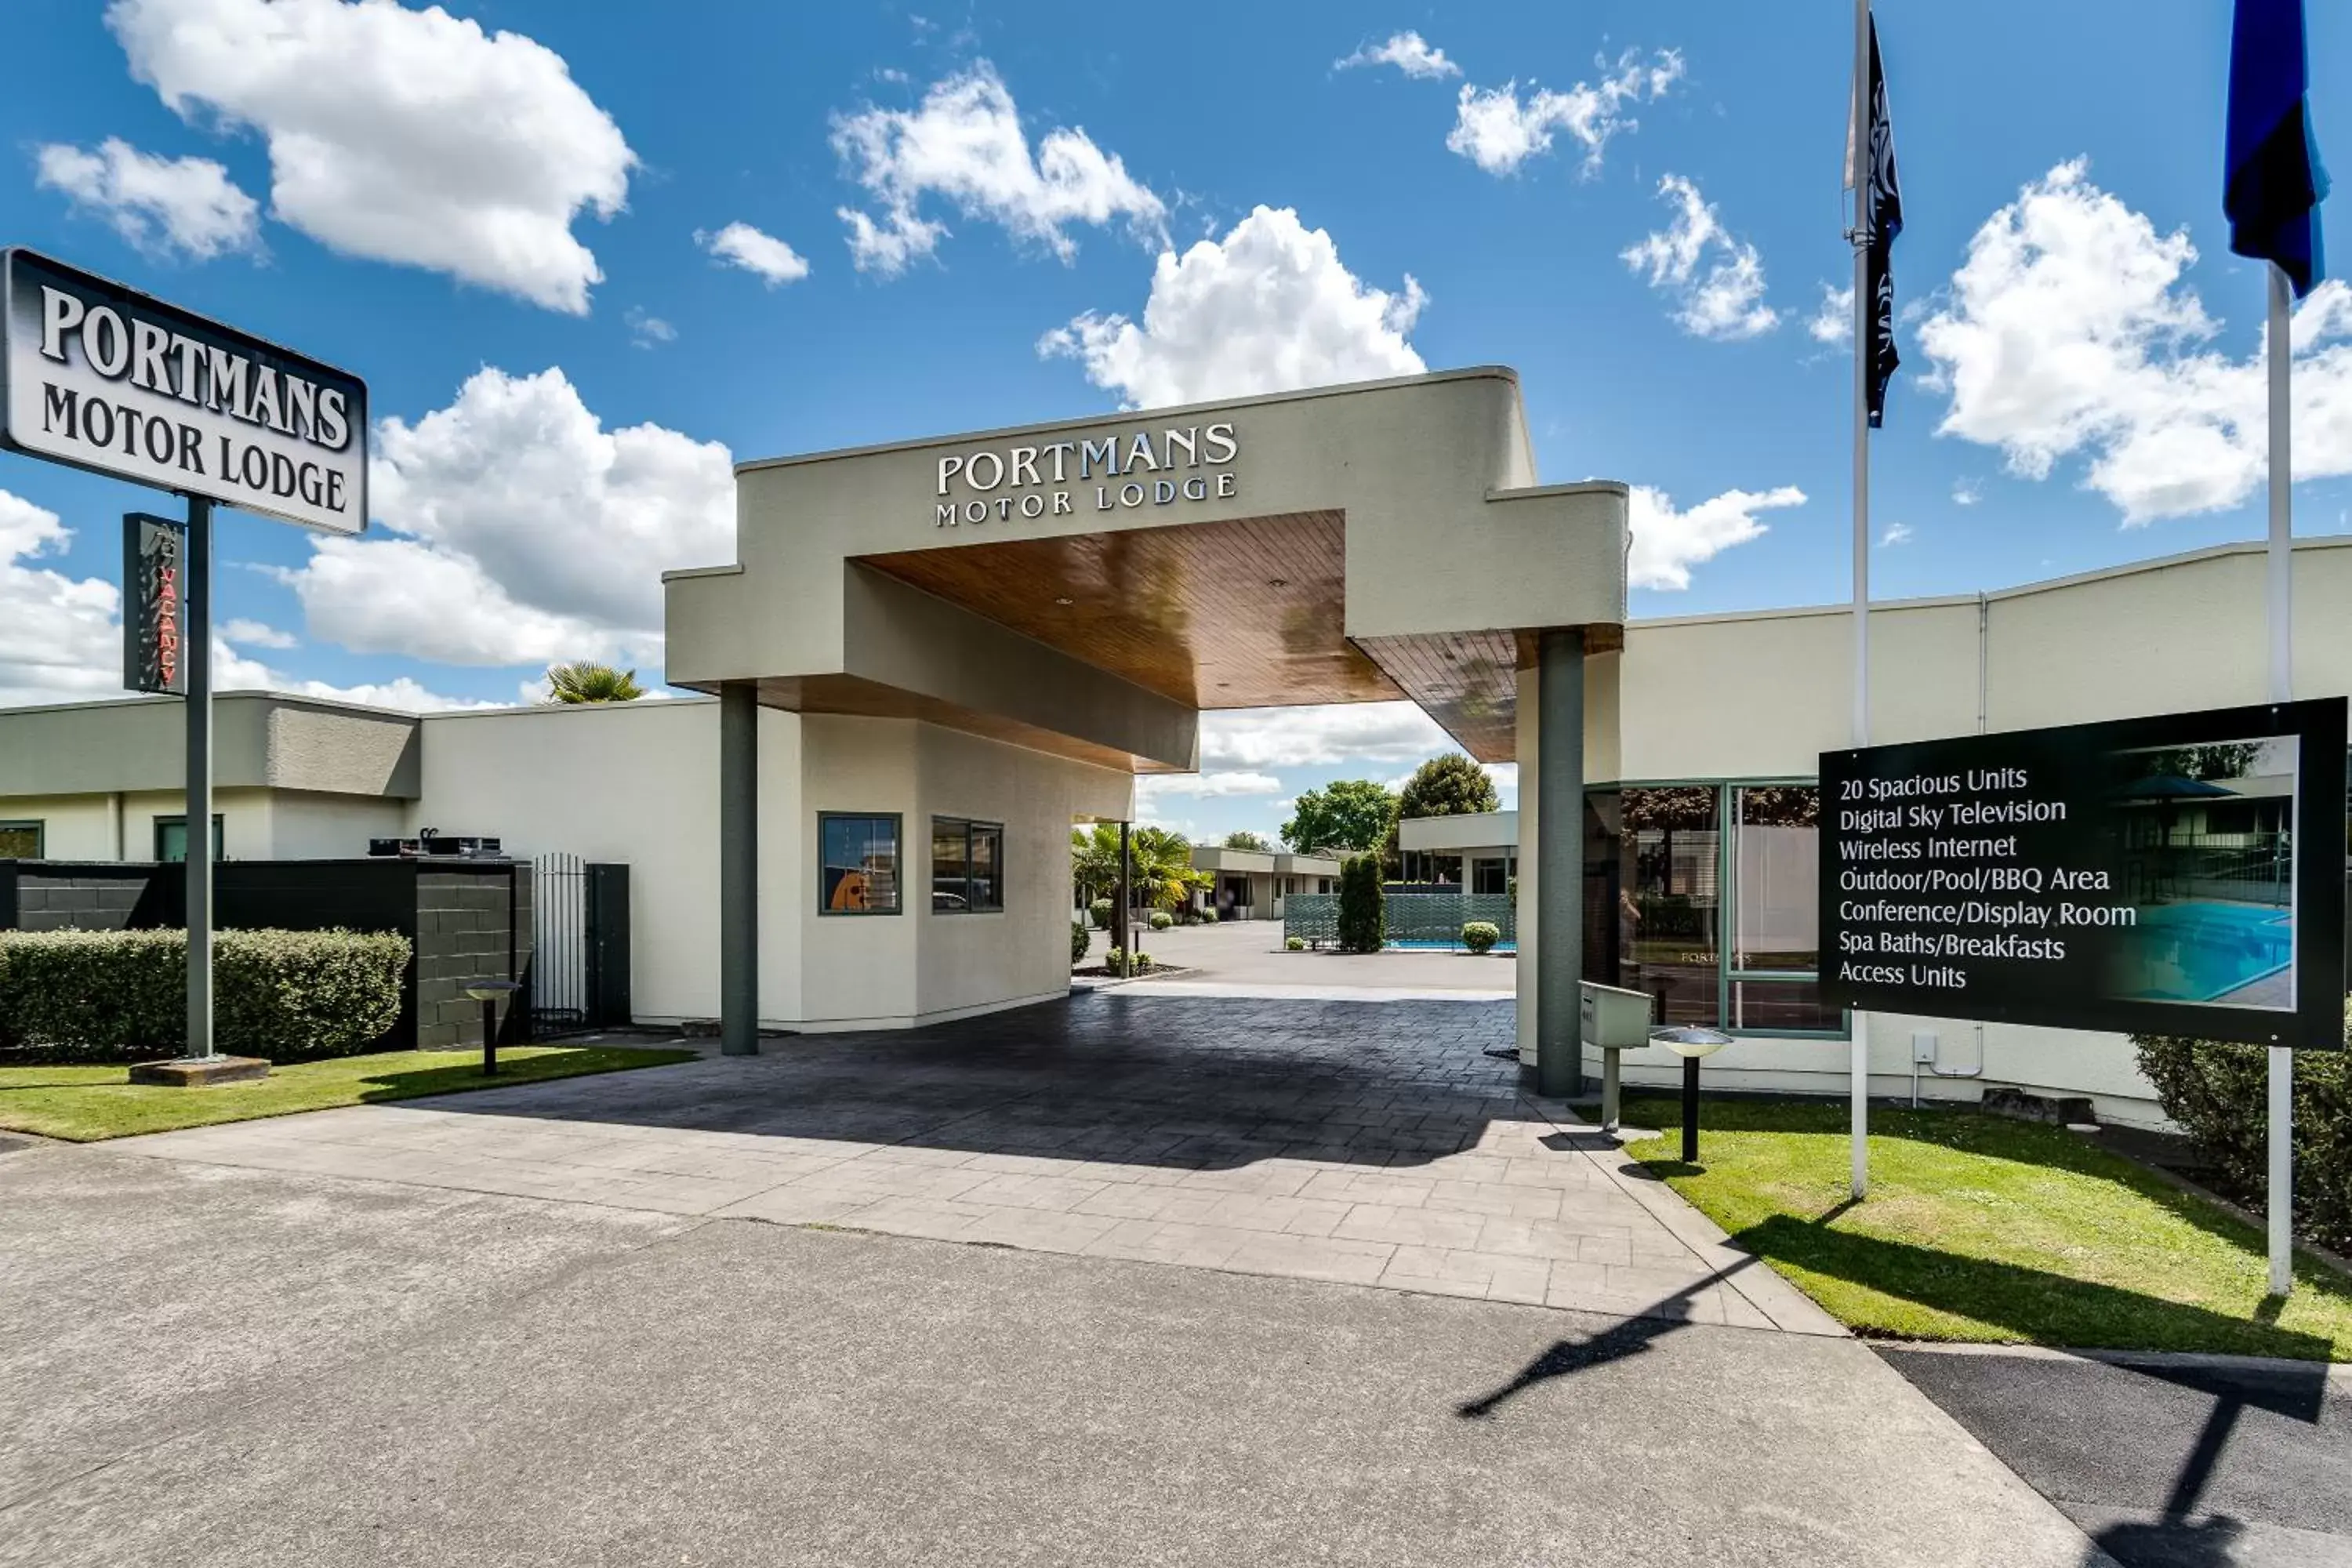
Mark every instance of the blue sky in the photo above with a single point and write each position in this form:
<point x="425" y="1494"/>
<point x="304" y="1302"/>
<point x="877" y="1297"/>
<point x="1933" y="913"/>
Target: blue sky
<point x="554" y="203"/>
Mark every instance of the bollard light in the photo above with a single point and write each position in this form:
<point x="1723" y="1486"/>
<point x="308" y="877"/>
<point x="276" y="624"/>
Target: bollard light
<point x="1693" y="1043"/>
<point x="490" y="992"/>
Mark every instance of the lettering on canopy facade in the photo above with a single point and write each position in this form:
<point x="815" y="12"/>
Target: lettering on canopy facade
<point x="1125" y="471"/>
<point x="105" y="379"/>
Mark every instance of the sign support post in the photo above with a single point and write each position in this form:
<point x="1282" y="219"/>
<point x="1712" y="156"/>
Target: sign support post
<point x="1865" y="316"/>
<point x="199" y="836"/>
<point x="2279" y="560"/>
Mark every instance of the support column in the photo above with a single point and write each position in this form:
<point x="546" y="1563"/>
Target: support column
<point x="197" y="596"/>
<point x="1560" y="862"/>
<point x="739" y="869"/>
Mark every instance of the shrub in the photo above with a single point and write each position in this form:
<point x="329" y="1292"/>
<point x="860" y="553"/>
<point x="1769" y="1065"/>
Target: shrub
<point x="1480" y="936"/>
<point x="1294" y="944"/>
<point x="1077" y="941"/>
<point x="1208" y="917"/>
<point x="1161" y="920"/>
<point x="2219" y="1094"/>
<point x="1099" y="912"/>
<point x="1361" y="913"/>
<point x="1116" y="963"/>
<point x="286" y="995"/>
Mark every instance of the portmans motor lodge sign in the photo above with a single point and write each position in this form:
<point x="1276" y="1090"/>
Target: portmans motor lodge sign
<point x="1062" y="479"/>
<point x="105" y="379"/>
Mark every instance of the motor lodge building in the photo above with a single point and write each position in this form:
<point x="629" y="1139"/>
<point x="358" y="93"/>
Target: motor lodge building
<point x="932" y="658"/>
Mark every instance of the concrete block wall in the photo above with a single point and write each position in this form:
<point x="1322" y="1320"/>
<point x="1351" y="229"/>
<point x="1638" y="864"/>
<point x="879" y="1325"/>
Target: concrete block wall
<point x="84" y="902"/>
<point x="473" y="923"/>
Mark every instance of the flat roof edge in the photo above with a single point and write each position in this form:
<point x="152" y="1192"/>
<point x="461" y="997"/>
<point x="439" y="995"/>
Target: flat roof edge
<point x="2017" y="590"/>
<point x="1258" y="400"/>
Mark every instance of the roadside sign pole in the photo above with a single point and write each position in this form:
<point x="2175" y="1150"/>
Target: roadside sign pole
<point x="199" y="657"/>
<point x="1865" y="318"/>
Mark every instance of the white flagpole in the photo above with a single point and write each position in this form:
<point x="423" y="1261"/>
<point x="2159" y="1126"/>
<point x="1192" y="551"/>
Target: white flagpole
<point x="2280" y="562"/>
<point x="1864" y="315"/>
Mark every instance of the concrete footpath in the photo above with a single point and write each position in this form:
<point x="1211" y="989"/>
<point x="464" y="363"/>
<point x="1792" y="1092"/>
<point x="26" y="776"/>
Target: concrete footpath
<point x="210" y="1364"/>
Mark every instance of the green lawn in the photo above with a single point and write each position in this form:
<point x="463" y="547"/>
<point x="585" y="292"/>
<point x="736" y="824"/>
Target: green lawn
<point x="87" y="1103"/>
<point x="1982" y="1228"/>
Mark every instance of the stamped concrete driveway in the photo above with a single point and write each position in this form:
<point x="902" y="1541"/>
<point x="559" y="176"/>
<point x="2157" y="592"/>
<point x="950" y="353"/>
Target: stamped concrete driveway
<point x="648" y="1318"/>
<point x="1374" y="1143"/>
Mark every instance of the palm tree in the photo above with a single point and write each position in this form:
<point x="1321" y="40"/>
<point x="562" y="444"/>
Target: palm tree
<point x="1162" y="863"/>
<point x="583" y="680"/>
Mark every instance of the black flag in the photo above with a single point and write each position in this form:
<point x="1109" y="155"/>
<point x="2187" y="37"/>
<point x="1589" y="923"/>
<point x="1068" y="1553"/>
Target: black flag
<point x="1878" y="206"/>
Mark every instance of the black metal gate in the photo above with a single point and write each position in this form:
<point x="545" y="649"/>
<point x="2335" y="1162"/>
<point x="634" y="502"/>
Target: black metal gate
<point x="580" y="962"/>
<point x="559" y="968"/>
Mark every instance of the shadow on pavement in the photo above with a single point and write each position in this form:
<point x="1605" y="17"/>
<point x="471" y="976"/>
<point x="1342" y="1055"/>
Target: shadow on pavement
<point x="1633" y="1336"/>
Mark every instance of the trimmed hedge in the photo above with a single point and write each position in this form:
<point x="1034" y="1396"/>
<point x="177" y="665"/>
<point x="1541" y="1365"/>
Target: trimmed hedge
<point x="1361" y="916"/>
<point x="287" y="996"/>
<point x="1480" y="936"/>
<point x="1099" y="912"/>
<point x="1079" y="940"/>
<point x="1161" y="920"/>
<point x="2219" y="1093"/>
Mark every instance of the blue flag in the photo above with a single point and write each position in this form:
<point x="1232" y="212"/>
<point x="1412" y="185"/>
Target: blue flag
<point x="2272" y="183"/>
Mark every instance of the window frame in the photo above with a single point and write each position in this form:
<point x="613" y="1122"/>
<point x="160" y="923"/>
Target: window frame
<point x="37" y="825"/>
<point x="898" y="822"/>
<point x="1727" y="850"/>
<point x="971" y="826"/>
<point x="180" y="820"/>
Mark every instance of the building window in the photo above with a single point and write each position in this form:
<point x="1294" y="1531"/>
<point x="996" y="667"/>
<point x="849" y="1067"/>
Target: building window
<point x="1715" y="889"/>
<point x="172" y="838"/>
<point x="20" y="840"/>
<point x="1490" y="876"/>
<point x="857" y="864"/>
<point x="967" y="867"/>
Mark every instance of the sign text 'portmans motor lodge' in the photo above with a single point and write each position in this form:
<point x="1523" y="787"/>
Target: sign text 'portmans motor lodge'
<point x="2181" y="874"/>
<point x="105" y="379"/>
<point x="1112" y="473"/>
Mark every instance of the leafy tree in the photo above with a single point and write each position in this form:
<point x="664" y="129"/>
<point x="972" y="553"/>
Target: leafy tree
<point x="1242" y="838"/>
<point x="583" y="680"/>
<point x="1450" y="785"/>
<point x="1348" y="813"/>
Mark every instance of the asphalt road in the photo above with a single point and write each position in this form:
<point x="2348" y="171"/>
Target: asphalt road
<point x="201" y="1366"/>
<point x="2167" y="1465"/>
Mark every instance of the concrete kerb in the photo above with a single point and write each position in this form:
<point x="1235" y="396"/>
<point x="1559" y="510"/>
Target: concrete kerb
<point x="1789" y="1309"/>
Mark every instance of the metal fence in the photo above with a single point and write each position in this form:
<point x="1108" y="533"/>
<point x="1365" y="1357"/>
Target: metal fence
<point x="559" y="970"/>
<point x="1418" y="919"/>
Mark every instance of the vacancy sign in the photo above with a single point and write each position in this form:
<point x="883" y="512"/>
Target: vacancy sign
<point x="109" y="380"/>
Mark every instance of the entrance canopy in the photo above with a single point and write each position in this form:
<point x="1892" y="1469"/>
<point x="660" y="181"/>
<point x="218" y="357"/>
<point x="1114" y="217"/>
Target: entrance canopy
<point x="1087" y="588"/>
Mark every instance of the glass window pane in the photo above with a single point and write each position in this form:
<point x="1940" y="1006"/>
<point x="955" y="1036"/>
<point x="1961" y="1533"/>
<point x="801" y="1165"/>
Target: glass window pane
<point x="1778" y="919"/>
<point x="858" y="865"/>
<point x="1783" y="1004"/>
<point x="172" y="838"/>
<point x="1669" y="904"/>
<point x="949" y="864"/>
<point x="20" y="840"/>
<point x="987" y="862"/>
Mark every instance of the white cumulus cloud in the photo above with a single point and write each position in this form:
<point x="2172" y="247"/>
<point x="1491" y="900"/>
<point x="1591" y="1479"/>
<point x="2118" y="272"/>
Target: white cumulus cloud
<point x="1254" y="740"/>
<point x="1408" y="52"/>
<point x="740" y="244"/>
<point x="965" y="146"/>
<point x="1268" y="307"/>
<point x="159" y="205"/>
<point x="521" y="531"/>
<point x="1498" y="131"/>
<point x="1667" y="543"/>
<point x="405" y="136"/>
<point x="1716" y="280"/>
<point x="257" y="634"/>
<point x="61" y="636"/>
<point x="2068" y="332"/>
<point x="1831" y="322"/>
<point x="1895" y="534"/>
<point x="1214" y="786"/>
